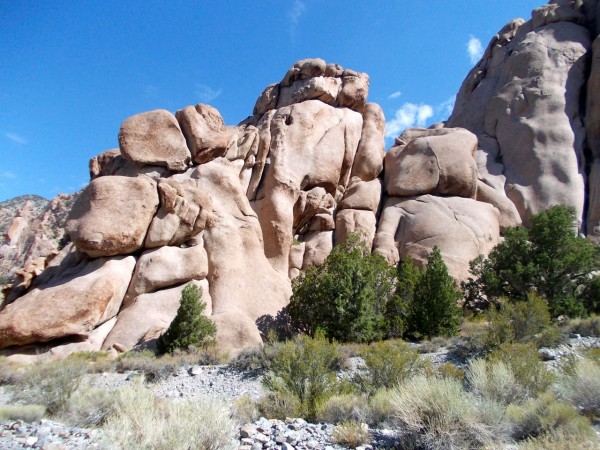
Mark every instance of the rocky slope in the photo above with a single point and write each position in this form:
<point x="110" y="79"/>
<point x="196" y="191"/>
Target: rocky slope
<point x="240" y="210"/>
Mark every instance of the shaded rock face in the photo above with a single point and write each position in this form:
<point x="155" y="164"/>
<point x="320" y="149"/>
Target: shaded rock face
<point x="241" y="210"/>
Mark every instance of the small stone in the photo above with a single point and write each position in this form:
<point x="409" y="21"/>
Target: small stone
<point x="259" y="437"/>
<point x="247" y="431"/>
<point x="31" y="441"/>
<point x="286" y="446"/>
<point x="195" y="371"/>
<point x="257" y="446"/>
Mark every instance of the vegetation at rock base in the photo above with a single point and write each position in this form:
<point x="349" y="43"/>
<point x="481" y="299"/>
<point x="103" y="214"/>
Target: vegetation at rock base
<point x="189" y="328"/>
<point x="547" y="258"/>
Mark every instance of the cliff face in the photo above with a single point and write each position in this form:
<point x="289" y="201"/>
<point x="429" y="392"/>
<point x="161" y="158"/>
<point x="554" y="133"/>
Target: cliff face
<point x="241" y="210"/>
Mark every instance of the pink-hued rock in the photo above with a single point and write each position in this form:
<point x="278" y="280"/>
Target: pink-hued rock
<point x="154" y="138"/>
<point x="204" y="131"/>
<point x="461" y="228"/>
<point x="368" y="162"/>
<point x="72" y="304"/>
<point x="112" y="215"/>
<point x="352" y="221"/>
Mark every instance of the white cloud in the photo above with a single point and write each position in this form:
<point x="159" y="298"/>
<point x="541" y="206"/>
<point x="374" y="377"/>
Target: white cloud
<point x="409" y="115"/>
<point x="206" y="93"/>
<point x="444" y="109"/>
<point x="294" y="14"/>
<point x="16" y="138"/>
<point x="8" y="175"/>
<point x="395" y="95"/>
<point x="474" y="49"/>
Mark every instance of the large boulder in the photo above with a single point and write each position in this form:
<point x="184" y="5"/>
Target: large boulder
<point x="523" y="101"/>
<point x="112" y="215"/>
<point x="204" y="131"/>
<point x="154" y="138"/>
<point x="368" y="162"/>
<point x="69" y="305"/>
<point x="432" y="161"/>
<point x="461" y="228"/>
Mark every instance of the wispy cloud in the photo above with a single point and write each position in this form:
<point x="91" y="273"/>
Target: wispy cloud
<point x="474" y="49"/>
<point x="207" y="94"/>
<point x="395" y="95"/>
<point x="294" y="15"/>
<point x="150" y="91"/>
<point x="8" y="175"/>
<point x="418" y="115"/>
<point x="408" y="116"/>
<point x="16" y="138"/>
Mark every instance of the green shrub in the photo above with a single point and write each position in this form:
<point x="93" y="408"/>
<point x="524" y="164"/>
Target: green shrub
<point x="346" y="297"/>
<point x="49" y="384"/>
<point x="153" y="368"/>
<point x="353" y="434"/>
<point x="528" y="369"/>
<point x="545" y="415"/>
<point x="434" y="310"/>
<point x="398" y="307"/>
<point x="278" y="405"/>
<point x="345" y="408"/>
<point x="521" y="321"/>
<point x="437" y="413"/>
<point x="449" y="370"/>
<point x="582" y="388"/>
<point x="140" y="421"/>
<point x="381" y="408"/>
<point x="26" y="413"/>
<point x="304" y="368"/>
<point x="388" y="364"/>
<point x="547" y="258"/>
<point x="494" y="380"/>
<point x="190" y="328"/>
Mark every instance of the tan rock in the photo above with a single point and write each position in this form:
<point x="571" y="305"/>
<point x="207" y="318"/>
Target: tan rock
<point x="318" y="246"/>
<point x="204" y="131"/>
<point x="167" y="266"/>
<point x="71" y="305"/>
<point x="93" y="343"/>
<point x="321" y="88"/>
<point x="112" y="215"/>
<point x="149" y="315"/>
<point x="437" y="161"/>
<point x="267" y="100"/>
<point x="184" y="212"/>
<point x="154" y="138"/>
<point x="352" y="221"/>
<point x="106" y="163"/>
<point x="368" y="162"/>
<point x="461" y="228"/>
<point x="354" y="92"/>
<point x="362" y="195"/>
<point x="509" y="216"/>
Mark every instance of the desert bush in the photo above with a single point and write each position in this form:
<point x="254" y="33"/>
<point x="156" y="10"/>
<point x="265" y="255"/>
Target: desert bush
<point x="49" y="384"/>
<point x="548" y="258"/>
<point x="588" y="326"/>
<point x="449" y="370"/>
<point x="494" y="380"/>
<point x="304" y="368"/>
<point x="345" y="408"/>
<point x="245" y="410"/>
<point x="146" y="362"/>
<point x="26" y="413"/>
<point x="546" y="415"/>
<point x="388" y="364"/>
<point x="278" y="405"/>
<point x="559" y="441"/>
<point x="434" y="309"/>
<point x="189" y="328"/>
<point x="438" y="413"/>
<point x="353" y="434"/>
<point x="433" y="345"/>
<point x="88" y="407"/>
<point x="345" y="297"/>
<point x="10" y="373"/>
<point x="528" y="369"/>
<point x="582" y="388"/>
<point x="381" y="408"/>
<point x="141" y="421"/>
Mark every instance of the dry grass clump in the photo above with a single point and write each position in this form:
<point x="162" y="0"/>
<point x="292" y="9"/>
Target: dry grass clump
<point x="345" y="408"/>
<point x="494" y="381"/>
<point x="89" y="407"/>
<point x="558" y="441"/>
<point x="245" y="410"/>
<point x="141" y="421"/>
<point x="353" y="434"/>
<point x="49" y="384"/>
<point x="381" y="408"/>
<point x="278" y="405"/>
<point x="547" y="416"/>
<point x="437" y="413"/>
<point x="26" y="413"/>
<point x="582" y="388"/>
<point x="588" y="326"/>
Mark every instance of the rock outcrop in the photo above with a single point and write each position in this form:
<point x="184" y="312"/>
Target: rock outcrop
<point x="241" y="210"/>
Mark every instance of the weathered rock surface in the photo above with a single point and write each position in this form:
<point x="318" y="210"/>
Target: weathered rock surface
<point x="154" y="138"/>
<point x="112" y="214"/>
<point x="461" y="228"/>
<point x="204" y="131"/>
<point x="72" y="304"/>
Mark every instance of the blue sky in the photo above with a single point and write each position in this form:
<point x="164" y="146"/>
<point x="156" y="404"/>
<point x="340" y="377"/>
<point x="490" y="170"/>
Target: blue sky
<point x="72" y="71"/>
